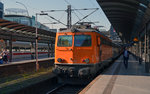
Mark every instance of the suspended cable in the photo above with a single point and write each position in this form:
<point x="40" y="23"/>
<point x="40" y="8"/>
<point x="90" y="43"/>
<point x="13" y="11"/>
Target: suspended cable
<point x="48" y="19"/>
<point x="86" y="16"/>
<point x="76" y="15"/>
<point x="62" y="16"/>
<point x="76" y="10"/>
<point x="56" y="20"/>
<point x="93" y="4"/>
<point x="67" y="2"/>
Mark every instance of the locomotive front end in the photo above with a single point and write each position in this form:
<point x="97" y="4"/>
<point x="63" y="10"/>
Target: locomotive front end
<point x="74" y="53"/>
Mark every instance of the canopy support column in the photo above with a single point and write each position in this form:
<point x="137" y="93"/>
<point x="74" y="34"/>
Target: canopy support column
<point x="146" y="51"/>
<point x="48" y="50"/>
<point x="32" y="51"/>
<point x="10" y="49"/>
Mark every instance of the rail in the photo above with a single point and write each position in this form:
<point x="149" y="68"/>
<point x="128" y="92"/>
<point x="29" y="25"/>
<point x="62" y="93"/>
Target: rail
<point x="66" y="89"/>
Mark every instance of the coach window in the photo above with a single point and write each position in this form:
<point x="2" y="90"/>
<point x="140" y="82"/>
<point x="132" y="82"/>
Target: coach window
<point x="82" y="40"/>
<point x="64" y="41"/>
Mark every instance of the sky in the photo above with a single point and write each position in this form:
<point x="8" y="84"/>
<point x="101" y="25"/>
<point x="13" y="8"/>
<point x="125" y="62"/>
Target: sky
<point x="36" y="6"/>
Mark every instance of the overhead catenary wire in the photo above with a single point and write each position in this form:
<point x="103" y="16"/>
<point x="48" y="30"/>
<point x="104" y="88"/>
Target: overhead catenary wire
<point x="67" y="2"/>
<point x="62" y="16"/>
<point x="51" y="22"/>
<point x="76" y="10"/>
<point x="56" y="20"/>
<point x="86" y="16"/>
<point x="70" y="10"/>
<point x="100" y="12"/>
<point x="76" y="15"/>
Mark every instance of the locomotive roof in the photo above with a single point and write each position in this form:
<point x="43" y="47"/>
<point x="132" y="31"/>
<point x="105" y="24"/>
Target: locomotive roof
<point x="86" y="30"/>
<point x="83" y="30"/>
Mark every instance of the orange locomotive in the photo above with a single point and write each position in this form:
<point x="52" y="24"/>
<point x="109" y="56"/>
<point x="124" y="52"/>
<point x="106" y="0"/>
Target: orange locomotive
<point x="81" y="52"/>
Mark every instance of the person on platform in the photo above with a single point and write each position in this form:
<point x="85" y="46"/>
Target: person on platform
<point x="5" y="56"/>
<point x="1" y="58"/>
<point x="126" y="57"/>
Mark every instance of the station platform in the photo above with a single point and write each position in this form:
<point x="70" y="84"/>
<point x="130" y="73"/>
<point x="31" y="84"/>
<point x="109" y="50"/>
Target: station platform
<point x="119" y="80"/>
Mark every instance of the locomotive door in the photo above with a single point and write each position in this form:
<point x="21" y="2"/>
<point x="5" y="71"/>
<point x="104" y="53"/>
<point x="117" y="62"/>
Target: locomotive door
<point x="100" y="53"/>
<point x="64" y="48"/>
<point x="100" y="48"/>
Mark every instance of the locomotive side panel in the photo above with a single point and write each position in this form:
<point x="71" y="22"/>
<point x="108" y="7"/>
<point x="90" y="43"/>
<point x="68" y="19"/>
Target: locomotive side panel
<point x="106" y="52"/>
<point x="106" y="48"/>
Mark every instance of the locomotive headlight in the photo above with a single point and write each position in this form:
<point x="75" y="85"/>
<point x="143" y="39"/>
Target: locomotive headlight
<point x="59" y="60"/>
<point x="86" y="60"/>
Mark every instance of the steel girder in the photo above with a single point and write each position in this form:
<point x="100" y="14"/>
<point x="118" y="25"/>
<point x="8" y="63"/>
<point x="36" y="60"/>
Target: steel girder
<point x="126" y="16"/>
<point x="23" y="32"/>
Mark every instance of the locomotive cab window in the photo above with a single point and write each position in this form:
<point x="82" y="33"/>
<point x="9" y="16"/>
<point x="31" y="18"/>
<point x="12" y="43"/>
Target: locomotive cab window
<point x="82" y="40"/>
<point x="64" y="41"/>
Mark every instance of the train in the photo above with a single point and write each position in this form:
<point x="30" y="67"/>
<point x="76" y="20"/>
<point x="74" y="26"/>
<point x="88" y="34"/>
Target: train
<point x="23" y="51"/>
<point x="82" y="51"/>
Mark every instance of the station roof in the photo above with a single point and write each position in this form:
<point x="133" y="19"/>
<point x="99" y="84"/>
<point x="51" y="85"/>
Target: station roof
<point x="128" y="17"/>
<point x="19" y="32"/>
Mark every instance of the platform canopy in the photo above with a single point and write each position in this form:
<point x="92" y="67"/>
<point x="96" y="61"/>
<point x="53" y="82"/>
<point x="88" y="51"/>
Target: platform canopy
<point x="19" y="32"/>
<point x="128" y="17"/>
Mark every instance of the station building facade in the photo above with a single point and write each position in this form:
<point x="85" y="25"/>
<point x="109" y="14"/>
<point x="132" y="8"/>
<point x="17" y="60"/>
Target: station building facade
<point x="1" y="9"/>
<point x="26" y="20"/>
<point x="20" y="16"/>
<point x="21" y="46"/>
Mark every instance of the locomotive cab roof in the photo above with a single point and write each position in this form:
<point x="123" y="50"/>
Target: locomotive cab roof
<point x="81" y="29"/>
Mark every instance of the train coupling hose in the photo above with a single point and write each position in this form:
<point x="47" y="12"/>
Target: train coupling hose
<point x="84" y="72"/>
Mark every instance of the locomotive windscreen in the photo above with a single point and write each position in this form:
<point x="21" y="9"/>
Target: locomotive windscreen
<point x="64" y="41"/>
<point x="82" y="40"/>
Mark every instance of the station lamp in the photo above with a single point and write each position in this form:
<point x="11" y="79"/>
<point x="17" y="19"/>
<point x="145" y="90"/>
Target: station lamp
<point x="135" y="39"/>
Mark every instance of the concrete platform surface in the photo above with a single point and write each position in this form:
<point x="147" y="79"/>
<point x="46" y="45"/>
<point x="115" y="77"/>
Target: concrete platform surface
<point x="119" y="80"/>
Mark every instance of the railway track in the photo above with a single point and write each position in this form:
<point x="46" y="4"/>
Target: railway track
<point x="66" y="89"/>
